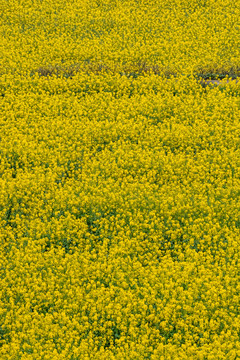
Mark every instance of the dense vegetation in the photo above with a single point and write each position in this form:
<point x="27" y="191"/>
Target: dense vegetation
<point x="119" y="180"/>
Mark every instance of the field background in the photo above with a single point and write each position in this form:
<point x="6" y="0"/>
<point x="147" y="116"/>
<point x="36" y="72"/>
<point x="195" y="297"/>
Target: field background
<point x="119" y="180"/>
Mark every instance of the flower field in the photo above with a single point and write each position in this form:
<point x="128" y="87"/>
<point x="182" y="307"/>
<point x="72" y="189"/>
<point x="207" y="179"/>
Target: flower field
<point x="119" y="180"/>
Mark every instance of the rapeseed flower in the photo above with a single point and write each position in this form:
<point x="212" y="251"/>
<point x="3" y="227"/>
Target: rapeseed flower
<point x="119" y="180"/>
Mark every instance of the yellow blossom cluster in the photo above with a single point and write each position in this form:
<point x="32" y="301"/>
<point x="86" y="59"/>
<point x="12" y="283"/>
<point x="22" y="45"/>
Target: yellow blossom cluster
<point x="167" y="36"/>
<point x="119" y="180"/>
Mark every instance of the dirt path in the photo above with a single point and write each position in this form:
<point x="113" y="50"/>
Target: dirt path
<point x="218" y="82"/>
